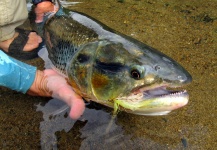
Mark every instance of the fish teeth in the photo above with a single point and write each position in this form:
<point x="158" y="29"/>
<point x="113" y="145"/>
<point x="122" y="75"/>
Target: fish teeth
<point x="177" y="93"/>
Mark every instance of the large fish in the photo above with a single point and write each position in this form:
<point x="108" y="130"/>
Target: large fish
<point x="110" y="68"/>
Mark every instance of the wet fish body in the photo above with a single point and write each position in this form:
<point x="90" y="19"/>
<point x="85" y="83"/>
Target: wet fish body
<point x="111" y="68"/>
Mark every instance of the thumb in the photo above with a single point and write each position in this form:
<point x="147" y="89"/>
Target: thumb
<point x="77" y="108"/>
<point x="75" y="101"/>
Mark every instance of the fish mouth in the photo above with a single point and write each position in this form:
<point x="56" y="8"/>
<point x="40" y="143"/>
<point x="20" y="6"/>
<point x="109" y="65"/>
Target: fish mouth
<point x="153" y="101"/>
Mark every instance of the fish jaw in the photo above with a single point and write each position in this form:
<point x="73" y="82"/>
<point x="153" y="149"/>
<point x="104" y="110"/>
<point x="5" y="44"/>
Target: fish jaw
<point x="153" y="102"/>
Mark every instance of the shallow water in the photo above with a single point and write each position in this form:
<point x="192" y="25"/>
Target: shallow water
<point x="184" y="30"/>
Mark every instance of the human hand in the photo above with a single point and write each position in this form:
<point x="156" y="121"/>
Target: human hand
<point x="48" y="83"/>
<point x="43" y="8"/>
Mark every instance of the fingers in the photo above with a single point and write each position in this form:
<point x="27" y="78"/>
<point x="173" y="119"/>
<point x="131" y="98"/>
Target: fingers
<point x="61" y="90"/>
<point x="49" y="83"/>
<point x="72" y="99"/>
<point x="77" y="108"/>
<point x="49" y="72"/>
<point x="39" y="86"/>
<point x="33" y="41"/>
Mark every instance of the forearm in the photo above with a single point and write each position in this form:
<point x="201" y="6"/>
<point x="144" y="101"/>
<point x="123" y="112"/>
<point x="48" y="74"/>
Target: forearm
<point x="16" y="75"/>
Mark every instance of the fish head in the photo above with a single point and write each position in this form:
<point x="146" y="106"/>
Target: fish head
<point x="129" y="75"/>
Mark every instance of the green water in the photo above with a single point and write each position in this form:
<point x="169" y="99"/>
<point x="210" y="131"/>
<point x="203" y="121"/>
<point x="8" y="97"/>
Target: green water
<point x="184" y="30"/>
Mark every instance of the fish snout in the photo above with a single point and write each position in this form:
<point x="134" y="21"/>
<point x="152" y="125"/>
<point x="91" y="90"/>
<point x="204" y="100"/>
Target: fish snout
<point x="185" y="79"/>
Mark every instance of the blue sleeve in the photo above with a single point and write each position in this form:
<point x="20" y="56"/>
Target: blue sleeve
<point x="15" y="74"/>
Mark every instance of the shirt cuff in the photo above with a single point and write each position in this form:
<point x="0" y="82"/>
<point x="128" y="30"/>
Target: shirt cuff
<point x="15" y="74"/>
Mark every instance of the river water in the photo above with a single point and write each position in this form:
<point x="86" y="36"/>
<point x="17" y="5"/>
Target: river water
<point x="184" y="30"/>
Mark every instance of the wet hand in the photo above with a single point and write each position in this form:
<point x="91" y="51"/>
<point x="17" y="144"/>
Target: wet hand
<point x="43" y="8"/>
<point x="49" y="83"/>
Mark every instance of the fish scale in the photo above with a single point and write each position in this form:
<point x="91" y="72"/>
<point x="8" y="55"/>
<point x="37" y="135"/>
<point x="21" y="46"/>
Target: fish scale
<point x="65" y="36"/>
<point x="113" y="69"/>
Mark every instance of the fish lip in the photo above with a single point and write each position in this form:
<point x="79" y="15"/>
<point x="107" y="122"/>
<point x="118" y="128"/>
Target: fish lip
<point x="163" y="88"/>
<point x="145" y="101"/>
<point x="163" y="91"/>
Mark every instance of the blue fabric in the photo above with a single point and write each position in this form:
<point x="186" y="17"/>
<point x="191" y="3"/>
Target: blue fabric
<point x="15" y="74"/>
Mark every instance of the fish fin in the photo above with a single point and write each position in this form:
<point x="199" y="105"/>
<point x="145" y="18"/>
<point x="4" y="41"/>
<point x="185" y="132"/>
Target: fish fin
<point x="60" y="110"/>
<point x="67" y="4"/>
<point x="43" y="53"/>
<point x="116" y="108"/>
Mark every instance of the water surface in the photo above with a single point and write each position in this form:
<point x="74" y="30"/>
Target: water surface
<point x="184" y="30"/>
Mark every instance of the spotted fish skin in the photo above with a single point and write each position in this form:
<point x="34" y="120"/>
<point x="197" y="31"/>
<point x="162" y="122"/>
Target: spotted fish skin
<point x="64" y="36"/>
<point x="111" y="68"/>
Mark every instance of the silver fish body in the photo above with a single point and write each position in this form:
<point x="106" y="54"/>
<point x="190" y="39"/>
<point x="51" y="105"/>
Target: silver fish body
<point x="111" y="68"/>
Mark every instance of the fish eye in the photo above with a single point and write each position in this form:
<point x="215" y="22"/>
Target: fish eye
<point x="135" y="74"/>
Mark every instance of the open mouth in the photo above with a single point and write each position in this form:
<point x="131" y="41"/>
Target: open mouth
<point x="154" y="101"/>
<point x="162" y="92"/>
